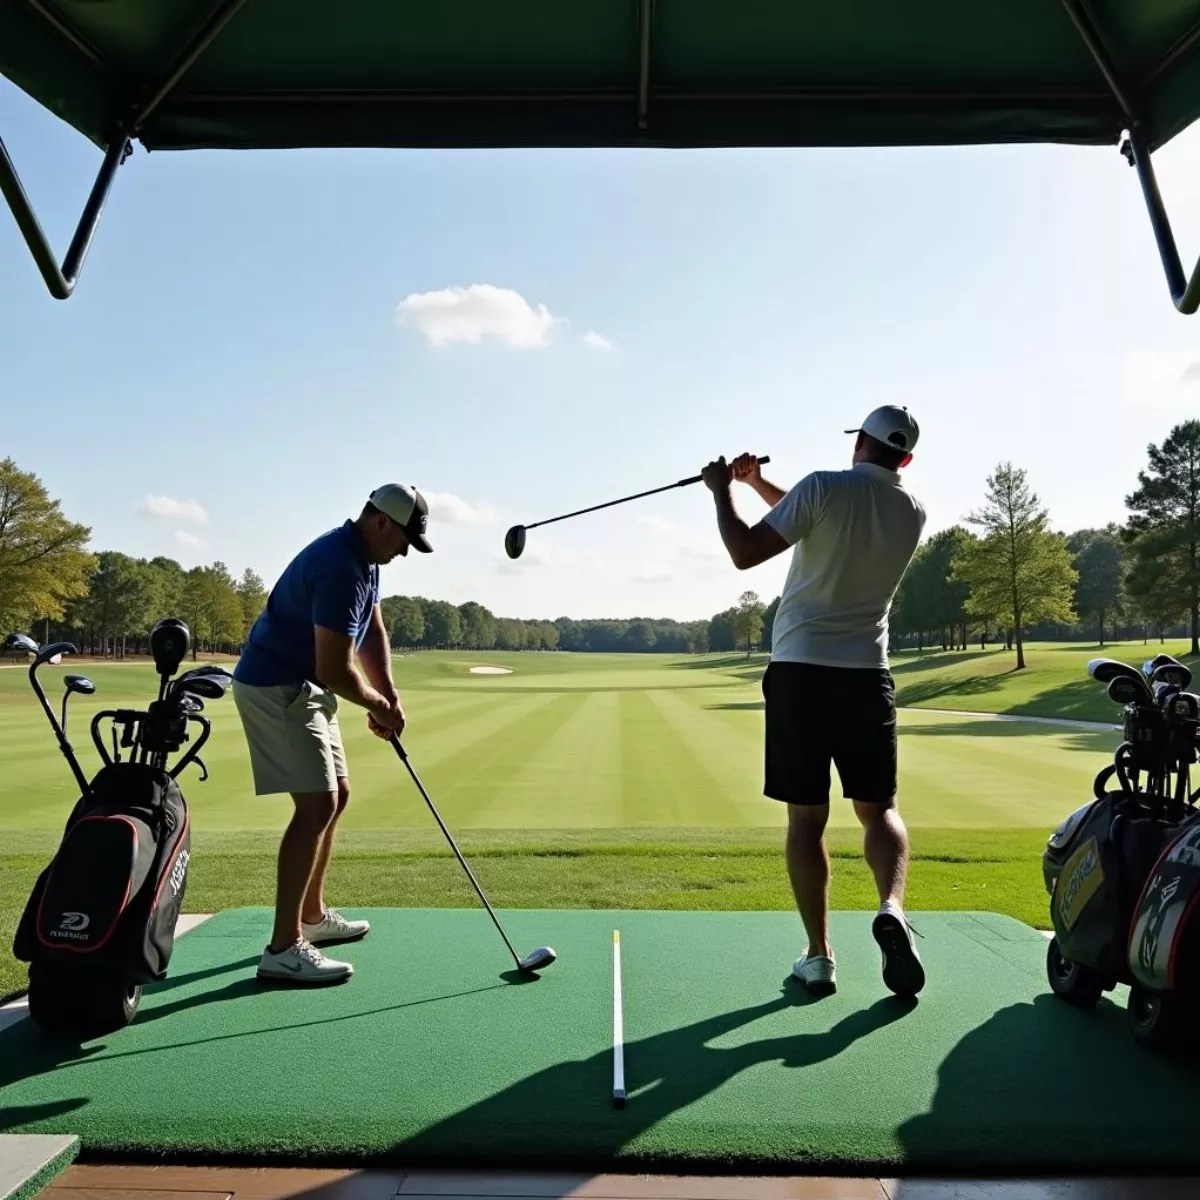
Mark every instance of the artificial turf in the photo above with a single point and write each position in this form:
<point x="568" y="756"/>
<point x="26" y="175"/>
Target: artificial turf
<point x="434" y="1055"/>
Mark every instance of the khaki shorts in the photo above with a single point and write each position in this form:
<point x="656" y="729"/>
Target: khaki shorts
<point x="294" y="739"/>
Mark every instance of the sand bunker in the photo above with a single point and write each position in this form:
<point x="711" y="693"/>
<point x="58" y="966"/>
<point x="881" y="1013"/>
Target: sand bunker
<point x="491" y="670"/>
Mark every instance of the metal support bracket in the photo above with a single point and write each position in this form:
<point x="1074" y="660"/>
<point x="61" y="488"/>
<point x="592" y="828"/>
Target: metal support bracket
<point x="1185" y="291"/>
<point x="645" y="23"/>
<point x="61" y="281"/>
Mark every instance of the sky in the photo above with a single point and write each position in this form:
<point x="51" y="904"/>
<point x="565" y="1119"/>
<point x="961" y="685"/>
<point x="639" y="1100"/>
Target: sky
<point x="258" y="339"/>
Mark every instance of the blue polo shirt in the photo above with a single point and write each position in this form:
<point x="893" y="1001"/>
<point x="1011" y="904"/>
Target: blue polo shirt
<point x="329" y="583"/>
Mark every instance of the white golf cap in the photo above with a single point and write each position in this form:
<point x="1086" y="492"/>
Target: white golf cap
<point x="406" y="506"/>
<point x="892" y="426"/>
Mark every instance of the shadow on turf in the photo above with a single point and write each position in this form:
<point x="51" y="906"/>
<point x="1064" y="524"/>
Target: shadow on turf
<point x="666" y="1073"/>
<point x="26" y="1051"/>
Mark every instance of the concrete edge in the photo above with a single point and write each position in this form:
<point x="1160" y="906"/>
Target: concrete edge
<point x="30" y="1162"/>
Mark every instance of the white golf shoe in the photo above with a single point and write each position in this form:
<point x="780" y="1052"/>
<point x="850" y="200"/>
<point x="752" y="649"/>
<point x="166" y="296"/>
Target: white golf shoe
<point x="333" y="927"/>
<point x="302" y="963"/>
<point x="817" y="972"/>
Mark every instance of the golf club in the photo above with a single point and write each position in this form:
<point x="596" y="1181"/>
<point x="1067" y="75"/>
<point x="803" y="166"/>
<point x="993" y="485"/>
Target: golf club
<point x="49" y="654"/>
<point x="537" y="959"/>
<point x="1103" y="670"/>
<point x="78" y="685"/>
<point x="514" y="539"/>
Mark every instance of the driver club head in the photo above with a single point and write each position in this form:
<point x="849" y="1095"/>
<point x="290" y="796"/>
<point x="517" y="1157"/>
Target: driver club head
<point x="21" y="641"/>
<point x="538" y="959"/>
<point x="80" y="684"/>
<point x="1171" y="672"/>
<point x="1124" y="690"/>
<point x="514" y="541"/>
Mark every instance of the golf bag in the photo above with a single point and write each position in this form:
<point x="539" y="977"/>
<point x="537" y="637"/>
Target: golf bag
<point x="1094" y="868"/>
<point x="1164" y="941"/>
<point x="100" y="921"/>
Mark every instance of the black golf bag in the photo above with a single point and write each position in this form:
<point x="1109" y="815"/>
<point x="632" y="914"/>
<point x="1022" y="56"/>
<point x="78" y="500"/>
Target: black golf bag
<point x="100" y="921"/>
<point x="1123" y="871"/>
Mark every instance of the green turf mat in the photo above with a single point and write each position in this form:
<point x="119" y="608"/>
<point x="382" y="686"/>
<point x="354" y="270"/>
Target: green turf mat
<point x="432" y="1056"/>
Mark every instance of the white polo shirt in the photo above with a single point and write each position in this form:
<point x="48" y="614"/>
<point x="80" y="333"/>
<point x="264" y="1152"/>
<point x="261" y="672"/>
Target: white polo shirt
<point x="854" y="534"/>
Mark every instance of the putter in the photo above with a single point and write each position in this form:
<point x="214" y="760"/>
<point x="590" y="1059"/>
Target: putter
<point x="514" y="539"/>
<point x="537" y="959"/>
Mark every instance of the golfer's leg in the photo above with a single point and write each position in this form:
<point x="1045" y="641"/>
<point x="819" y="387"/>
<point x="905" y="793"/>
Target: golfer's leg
<point x="313" y="909"/>
<point x="808" y="869"/>
<point x="297" y="857"/>
<point x="885" y="847"/>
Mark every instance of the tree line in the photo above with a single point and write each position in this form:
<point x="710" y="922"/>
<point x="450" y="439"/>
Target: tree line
<point x="1018" y="579"/>
<point x="1003" y="576"/>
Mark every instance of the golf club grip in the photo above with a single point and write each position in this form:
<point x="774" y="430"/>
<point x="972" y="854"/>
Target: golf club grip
<point x="624" y="499"/>
<point x="766" y="458"/>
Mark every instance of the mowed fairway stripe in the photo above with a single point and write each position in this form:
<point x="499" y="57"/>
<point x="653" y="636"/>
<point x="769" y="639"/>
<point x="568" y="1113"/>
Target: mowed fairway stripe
<point x="489" y="766"/>
<point x="662" y="782"/>
<point x="962" y="773"/>
<point x="731" y="759"/>
<point x="569" y="776"/>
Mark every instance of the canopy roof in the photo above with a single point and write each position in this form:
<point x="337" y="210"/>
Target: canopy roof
<point x="572" y="72"/>
<point x="256" y="74"/>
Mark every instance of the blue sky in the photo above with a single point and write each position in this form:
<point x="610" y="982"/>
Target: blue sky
<point x="257" y="340"/>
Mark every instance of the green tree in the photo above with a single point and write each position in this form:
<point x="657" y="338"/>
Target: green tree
<point x="1019" y="572"/>
<point x="479" y="626"/>
<point x="721" y="634"/>
<point x="43" y="560"/>
<point x="748" y="621"/>
<point x="639" y="637"/>
<point x="405" y="619"/>
<point x="1163" y="531"/>
<point x="1099" y="559"/>
<point x="443" y="624"/>
<point x="768" y="624"/>
<point x="253" y="596"/>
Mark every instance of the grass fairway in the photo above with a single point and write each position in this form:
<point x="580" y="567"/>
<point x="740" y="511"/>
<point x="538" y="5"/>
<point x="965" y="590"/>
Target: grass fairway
<point x="603" y="781"/>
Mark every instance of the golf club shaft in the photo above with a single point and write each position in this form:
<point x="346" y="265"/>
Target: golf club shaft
<point x="625" y="499"/>
<point x="453" y="846"/>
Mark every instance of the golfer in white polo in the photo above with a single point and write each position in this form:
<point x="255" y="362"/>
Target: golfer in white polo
<point x="830" y="696"/>
<point x="321" y="637"/>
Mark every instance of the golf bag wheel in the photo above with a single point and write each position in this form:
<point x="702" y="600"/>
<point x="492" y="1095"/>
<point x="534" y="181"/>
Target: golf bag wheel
<point x="65" y="1002"/>
<point x="1154" y="1019"/>
<point x="1076" y="984"/>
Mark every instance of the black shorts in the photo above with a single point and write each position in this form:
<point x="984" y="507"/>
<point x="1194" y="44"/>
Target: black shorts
<point x="817" y="715"/>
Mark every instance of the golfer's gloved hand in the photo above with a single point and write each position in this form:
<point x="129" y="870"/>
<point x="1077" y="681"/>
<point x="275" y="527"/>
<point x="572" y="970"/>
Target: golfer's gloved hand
<point x="745" y="468"/>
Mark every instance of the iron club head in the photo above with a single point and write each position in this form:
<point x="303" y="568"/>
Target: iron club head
<point x="514" y="541"/>
<point x="538" y="959"/>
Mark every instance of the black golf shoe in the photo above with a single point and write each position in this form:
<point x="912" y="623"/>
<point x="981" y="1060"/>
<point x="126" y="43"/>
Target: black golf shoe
<point x="902" y="969"/>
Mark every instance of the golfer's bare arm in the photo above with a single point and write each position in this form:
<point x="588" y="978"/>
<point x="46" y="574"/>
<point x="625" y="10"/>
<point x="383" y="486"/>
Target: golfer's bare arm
<point x="375" y="654"/>
<point x="748" y="546"/>
<point x="770" y="493"/>
<point x="337" y="670"/>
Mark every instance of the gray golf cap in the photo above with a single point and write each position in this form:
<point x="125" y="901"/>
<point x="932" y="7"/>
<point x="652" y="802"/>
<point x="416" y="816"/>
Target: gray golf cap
<point x="407" y="507"/>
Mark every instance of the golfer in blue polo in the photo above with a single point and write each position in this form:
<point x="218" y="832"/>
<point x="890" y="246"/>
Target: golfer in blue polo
<point x="321" y="637"/>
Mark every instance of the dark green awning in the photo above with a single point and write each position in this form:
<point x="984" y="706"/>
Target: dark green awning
<point x="255" y="74"/>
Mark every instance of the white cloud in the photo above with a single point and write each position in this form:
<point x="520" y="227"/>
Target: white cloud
<point x="661" y="524"/>
<point x="173" y="510"/>
<point x="470" y="314"/>
<point x="1162" y="379"/>
<point x="454" y="510"/>
<point x="189" y="540"/>
<point x="598" y="341"/>
<point x="653" y="577"/>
